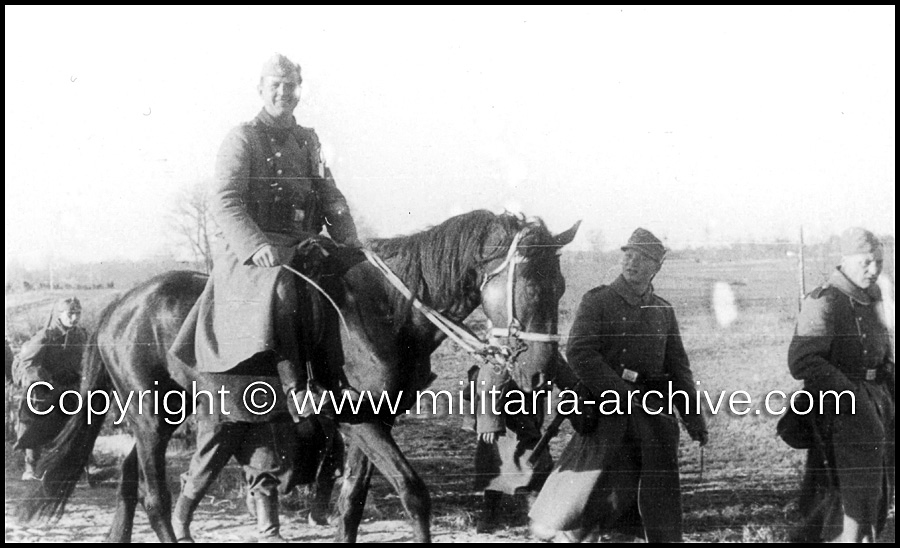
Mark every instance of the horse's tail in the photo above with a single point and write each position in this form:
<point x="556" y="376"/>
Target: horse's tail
<point x="63" y="464"/>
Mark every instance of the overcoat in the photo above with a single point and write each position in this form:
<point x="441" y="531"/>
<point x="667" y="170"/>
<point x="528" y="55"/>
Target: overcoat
<point x="270" y="187"/>
<point x="622" y="341"/>
<point x="841" y="343"/>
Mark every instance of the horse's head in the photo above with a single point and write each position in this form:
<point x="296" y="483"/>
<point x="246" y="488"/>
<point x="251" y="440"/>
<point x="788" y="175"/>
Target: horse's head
<point x="520" y="291"/>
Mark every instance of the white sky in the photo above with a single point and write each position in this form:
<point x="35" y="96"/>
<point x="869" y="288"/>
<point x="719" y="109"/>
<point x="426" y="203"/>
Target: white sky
<point x="704" y="125"/>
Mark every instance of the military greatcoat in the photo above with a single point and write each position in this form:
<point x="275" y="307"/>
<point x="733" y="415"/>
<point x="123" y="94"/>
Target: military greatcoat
<point x="270" y="188"/>
<point x="841" y="343"/>
<point x="52" y="355"/>
<point x="628" y="466"/>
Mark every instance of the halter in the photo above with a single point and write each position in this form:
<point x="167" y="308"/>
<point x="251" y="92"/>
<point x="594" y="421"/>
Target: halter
<point x="491" y="351"/>
<point x="513" y="327"/>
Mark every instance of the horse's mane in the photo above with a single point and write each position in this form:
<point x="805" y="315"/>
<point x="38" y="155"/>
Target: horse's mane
<point x="441" y="264"/>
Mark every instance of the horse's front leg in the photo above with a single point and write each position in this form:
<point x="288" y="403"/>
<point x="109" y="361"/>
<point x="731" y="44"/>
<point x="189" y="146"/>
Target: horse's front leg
<point x="354" y="490"/>
<point x="376" y="441"/>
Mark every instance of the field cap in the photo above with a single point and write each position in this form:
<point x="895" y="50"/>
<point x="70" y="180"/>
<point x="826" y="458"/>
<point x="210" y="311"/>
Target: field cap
<point x="281" y="66"/>
<point x="68" y="304"/>
<point x="644" y="241"/>
<point x="857" y="240"/>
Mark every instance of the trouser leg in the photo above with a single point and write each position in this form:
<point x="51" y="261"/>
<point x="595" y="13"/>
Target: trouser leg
<point x="216" y="443"/>
<point x="859" y="440"/>
<point x="265" y="461"/>
<point x="659" y="493"/>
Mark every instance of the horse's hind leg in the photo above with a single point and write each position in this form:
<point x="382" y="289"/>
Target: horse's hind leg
<point x="354" y="490"/>
<point x="127" y="499"/>
<point x="151" y="448"/>
<point x="375" y="440"/>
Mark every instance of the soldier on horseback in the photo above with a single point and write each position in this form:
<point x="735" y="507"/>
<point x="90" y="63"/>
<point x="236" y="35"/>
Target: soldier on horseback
<point x="272" y="193"/>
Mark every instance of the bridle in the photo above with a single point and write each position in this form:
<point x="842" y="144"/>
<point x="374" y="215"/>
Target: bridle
<point x="513" y="330"/>
<point x="492" y="351"/>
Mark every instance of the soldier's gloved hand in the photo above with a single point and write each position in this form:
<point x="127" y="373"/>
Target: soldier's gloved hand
<point x="268" y="256"/>
<point x="699" y="436"/>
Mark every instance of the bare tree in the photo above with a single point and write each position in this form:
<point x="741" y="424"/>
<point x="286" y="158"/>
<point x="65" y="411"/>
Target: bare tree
<point x="192" y="222"/>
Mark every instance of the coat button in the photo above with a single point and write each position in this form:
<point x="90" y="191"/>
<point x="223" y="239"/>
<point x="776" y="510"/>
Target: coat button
<point x="278" y="154"/>
<point x="279" y="172"/>
<point x="864" y="335"/>
<point x="624" y="318"/>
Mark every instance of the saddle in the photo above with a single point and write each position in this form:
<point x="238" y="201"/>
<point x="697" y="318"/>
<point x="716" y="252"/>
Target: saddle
<point x="321" y="257"/>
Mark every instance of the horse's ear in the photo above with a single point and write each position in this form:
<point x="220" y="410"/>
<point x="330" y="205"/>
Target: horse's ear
<point x="566" y="237"/>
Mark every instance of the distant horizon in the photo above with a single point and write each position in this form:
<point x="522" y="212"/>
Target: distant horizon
<point x="159" y="258"/>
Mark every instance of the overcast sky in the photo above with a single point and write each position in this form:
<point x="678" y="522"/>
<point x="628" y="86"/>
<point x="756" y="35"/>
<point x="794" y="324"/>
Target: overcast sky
<point x="704" y="125"/>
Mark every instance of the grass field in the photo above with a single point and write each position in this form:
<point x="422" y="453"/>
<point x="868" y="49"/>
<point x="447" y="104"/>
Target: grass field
<point x="749" y="477"/>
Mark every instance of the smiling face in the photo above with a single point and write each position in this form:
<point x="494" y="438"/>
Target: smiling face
<point x="280" y="95"/>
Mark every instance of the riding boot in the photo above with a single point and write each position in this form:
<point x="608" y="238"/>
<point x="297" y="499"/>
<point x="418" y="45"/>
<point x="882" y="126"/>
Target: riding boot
<point x="293" y="382"/>
<point x="182" y="516"/>
<point x="268" y="525"/>
<point x="487" y="519"/>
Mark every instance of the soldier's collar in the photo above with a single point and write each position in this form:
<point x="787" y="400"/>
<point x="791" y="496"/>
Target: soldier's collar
<point x="850" y="289"/>
<point x="628" y="293"/>
<point x="270" y="122"/>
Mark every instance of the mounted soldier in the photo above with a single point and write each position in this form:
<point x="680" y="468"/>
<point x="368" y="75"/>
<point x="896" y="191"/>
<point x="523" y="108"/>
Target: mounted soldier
<point x="272" y="194"/>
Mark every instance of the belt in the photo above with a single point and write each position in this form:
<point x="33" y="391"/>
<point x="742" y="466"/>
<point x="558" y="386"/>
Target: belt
<point x="877" y="374"/>
<point x="641" y="378"/>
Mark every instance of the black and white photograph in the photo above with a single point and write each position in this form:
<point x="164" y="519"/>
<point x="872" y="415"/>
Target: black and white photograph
<point x="450" y="273"/>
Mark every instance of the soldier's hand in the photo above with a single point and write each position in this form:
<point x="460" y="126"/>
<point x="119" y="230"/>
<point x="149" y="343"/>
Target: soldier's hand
<point x="267" y="256"/>
<point x="488" y="437"/>
<point x="700" y="436"/>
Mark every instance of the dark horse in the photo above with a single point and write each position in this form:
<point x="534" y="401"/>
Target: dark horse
<point x="453" y="267"/>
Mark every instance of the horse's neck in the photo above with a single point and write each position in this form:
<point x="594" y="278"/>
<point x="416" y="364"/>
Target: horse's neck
<point x="425" y="335"/>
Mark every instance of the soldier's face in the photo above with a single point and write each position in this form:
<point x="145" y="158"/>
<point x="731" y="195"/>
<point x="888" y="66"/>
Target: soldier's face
<point x="863" y="269"/>
<point x="70" y="318"/>
<point x="280" y="95"/>
<point x="637" y="268"/>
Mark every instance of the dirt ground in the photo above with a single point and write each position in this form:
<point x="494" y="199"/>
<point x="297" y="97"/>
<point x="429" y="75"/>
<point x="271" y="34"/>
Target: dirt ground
<point x="743" y="488"/>
<point x="721" y="506"/>
<point x="222" y="517"/>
